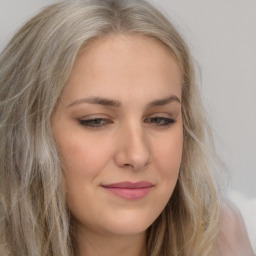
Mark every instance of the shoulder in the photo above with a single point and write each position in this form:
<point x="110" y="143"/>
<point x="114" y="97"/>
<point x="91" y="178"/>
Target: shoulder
<point x="232" y="239"/>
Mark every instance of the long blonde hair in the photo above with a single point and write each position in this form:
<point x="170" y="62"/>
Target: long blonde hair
<point x="35" y="66"/>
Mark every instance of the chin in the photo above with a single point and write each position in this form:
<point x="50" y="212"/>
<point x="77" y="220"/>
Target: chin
<point x="130" y="223"/>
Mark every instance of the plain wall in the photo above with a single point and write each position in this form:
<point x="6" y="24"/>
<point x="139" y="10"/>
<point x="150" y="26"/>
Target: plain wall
<point x="222" y="38"/>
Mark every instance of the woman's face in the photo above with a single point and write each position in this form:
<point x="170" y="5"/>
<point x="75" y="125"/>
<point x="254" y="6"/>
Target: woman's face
<point x="118" y="129"/>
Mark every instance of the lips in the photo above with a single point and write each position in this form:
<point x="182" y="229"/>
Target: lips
<point x="129" y="190"/>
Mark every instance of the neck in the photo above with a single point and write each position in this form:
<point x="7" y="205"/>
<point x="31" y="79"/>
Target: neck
<point x="99" y="244"/>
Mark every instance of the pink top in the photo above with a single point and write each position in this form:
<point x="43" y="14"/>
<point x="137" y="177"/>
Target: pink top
<point x="233" y="238"/>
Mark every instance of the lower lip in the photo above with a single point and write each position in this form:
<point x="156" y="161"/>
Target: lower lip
<point x="130" y="193"/>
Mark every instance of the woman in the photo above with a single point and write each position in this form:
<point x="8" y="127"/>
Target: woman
<point x="103" y="139"/>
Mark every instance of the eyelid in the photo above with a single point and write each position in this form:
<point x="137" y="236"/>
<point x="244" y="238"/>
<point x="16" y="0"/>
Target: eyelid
<point x="87" y="121"/>
<point x="94" y="116"/>
<point x="161" y="114"/>
<point x="160" y="119"/>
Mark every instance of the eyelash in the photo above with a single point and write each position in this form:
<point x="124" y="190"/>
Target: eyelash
<point x="94" y="122"/>
<point x="158" y="120"/>
<point x="100" y="122"/>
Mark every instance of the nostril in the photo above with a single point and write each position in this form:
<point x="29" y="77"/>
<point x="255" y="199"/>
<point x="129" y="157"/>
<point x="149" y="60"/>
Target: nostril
<point x="133" y="151"/>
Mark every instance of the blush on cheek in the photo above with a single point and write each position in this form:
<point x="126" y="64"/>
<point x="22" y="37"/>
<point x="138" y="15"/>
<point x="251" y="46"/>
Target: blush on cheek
<point x="82" y="160"/>
<point x="169" y="156"/>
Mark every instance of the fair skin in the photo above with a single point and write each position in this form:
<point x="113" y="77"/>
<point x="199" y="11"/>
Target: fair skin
<point x="119" y="121"/>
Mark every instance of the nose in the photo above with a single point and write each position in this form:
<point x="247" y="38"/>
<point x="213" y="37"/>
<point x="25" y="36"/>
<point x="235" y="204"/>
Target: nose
<point x="133" y="149"/>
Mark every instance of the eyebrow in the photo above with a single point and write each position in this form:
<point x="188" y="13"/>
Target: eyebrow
<point x="164" y="101"/>
<point x="98" y="101"/>
<point x="114" y="103"/>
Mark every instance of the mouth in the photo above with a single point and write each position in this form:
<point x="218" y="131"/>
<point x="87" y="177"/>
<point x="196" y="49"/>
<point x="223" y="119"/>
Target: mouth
<point x="129" y="190"/>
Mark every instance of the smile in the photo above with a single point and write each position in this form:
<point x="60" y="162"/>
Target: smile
<point x="129" y="190"/>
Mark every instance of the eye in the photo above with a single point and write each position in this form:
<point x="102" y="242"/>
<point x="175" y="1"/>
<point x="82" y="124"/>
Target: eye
<point x="94" y="122"/>
<point x="160" y="121"/>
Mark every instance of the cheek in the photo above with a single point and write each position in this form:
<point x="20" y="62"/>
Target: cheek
<point x="83" y="157"/>
<point x="168" y="155"/>
<point x="83" y="162"/>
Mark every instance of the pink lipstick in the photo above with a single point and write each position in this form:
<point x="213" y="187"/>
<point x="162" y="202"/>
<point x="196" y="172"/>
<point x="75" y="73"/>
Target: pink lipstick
<point x="129" y="190"/>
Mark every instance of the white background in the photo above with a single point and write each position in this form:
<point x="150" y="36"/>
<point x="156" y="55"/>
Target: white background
<point x="222" y="37"/>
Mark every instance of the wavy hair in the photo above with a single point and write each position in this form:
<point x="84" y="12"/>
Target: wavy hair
<point x="34" y="68"/>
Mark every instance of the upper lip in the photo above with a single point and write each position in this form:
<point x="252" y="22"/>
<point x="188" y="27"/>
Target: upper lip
<point x="129" y="185"/>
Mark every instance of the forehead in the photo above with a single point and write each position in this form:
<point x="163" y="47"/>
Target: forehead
<point x="130" y="47"/>
<point x="125" y="64"/>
